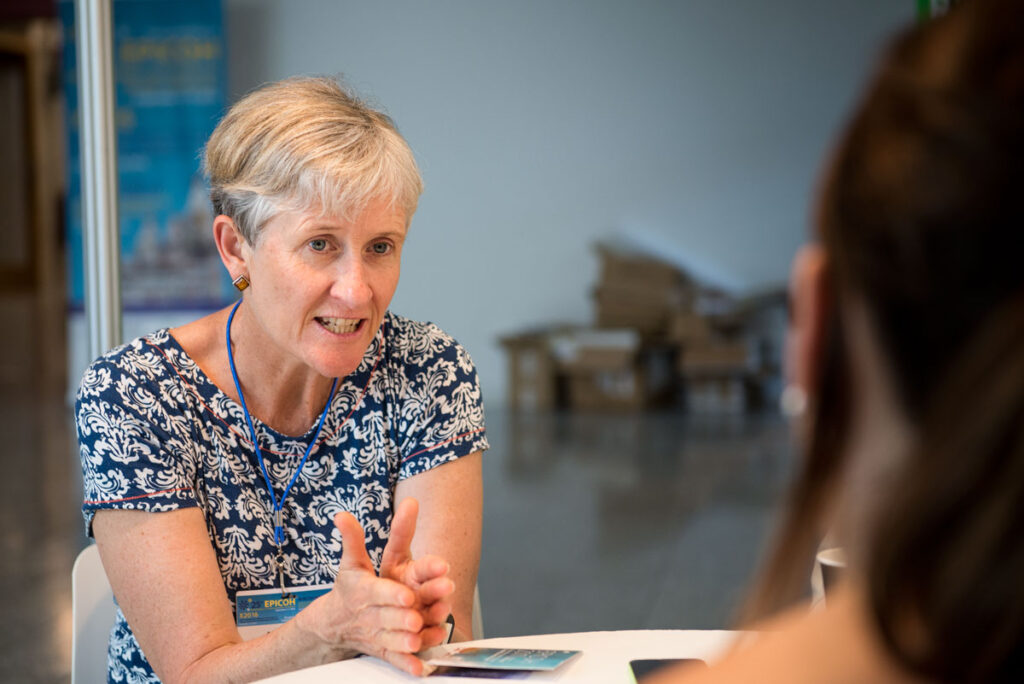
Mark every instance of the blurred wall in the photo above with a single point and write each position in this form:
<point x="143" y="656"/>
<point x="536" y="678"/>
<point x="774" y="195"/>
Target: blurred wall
<point x="697" y="127"/>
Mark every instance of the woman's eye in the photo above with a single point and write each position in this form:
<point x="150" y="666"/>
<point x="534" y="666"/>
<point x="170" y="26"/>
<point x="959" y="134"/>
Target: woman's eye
<point x="381" y="247"/>
<point x="318" y="245"/>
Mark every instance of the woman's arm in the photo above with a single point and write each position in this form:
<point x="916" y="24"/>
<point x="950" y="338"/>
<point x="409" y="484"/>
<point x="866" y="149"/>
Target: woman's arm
<point x="449" y="526"/>
<point x="165" y="576"/>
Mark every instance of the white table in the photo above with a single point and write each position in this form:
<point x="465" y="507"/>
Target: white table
<point x="605" y="658"/>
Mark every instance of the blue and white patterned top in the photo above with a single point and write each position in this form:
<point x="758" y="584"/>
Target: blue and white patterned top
<point x="155" y="434"/>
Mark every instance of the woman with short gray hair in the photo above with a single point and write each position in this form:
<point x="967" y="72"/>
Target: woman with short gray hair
<point x="229" y="463"/>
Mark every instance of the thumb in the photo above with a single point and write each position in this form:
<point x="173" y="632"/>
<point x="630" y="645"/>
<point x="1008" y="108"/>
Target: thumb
<point x="353" y="543"/>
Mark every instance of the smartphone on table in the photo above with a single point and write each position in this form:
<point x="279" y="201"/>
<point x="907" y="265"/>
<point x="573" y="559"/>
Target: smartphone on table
<point x="642" y="668"/>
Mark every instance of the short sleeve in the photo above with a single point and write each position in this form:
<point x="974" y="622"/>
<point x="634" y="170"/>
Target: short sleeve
<point x="130" y="435"/>
<point x="442" y="410"/>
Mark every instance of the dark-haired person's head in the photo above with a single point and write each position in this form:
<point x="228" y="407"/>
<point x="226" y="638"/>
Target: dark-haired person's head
<point x="921" y="282"/>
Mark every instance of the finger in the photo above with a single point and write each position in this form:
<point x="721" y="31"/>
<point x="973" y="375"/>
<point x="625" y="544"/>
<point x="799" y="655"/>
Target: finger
<point x="435" y="614"/>
<point x="388" y="593"/>
<point x="398" y="641"/>
<point x="435" y="590"/>
<point x="404" y="661"/>
<point x="425" y="569"/>
<point x="353" y="543"/>
<point x="403" y="528"/>
<point x="433" y="636"/>
<point x="398" y="619"/>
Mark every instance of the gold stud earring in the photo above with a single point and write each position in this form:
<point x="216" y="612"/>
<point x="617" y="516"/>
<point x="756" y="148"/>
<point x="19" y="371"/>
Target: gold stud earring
<point x="241" y="282"/>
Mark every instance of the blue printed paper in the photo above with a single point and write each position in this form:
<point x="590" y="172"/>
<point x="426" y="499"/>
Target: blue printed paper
<point x="169" y="69"/>
<point x="504" y="658"/>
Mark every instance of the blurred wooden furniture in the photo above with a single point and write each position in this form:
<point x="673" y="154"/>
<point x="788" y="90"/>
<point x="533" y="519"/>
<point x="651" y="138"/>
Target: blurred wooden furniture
<point x="32" y="181"/>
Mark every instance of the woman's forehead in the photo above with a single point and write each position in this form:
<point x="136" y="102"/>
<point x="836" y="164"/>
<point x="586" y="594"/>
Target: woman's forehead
<point x="379" y="215"/>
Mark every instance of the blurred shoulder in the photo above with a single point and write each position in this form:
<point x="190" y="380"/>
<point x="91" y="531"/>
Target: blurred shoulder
<point x="838" y="644"/>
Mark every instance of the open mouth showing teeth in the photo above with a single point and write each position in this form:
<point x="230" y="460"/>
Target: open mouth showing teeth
<point x="340" y="325"/>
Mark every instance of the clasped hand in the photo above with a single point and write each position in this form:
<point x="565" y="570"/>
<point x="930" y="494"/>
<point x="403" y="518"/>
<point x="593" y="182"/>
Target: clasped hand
<point x="397" y="613"/>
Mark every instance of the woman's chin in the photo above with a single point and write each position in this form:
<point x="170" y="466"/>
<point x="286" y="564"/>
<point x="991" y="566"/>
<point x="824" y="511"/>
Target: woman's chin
<point x="339" y="354"/>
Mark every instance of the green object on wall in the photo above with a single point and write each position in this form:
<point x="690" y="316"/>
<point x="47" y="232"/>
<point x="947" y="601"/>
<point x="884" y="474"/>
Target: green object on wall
<point x="927" y="9"/>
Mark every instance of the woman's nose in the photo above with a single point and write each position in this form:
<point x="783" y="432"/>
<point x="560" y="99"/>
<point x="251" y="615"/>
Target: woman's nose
<point x="351" y="283"/>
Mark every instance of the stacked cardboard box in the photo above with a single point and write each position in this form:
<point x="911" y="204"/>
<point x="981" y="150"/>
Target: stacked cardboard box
<point x="614" y="369"/>
<point x="636" y="294"/>
<point x="716" y="376"/>
<point x="639" y="292"/>
<point x="656" y="330"/>
<point x="713" y="361"/>
<point x="731" y="361"/>
<point x="531" y="370"/>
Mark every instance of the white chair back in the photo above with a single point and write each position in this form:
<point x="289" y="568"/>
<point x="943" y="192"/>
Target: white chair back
<point x="478" y="619"/>
<point x="92" y="617"/>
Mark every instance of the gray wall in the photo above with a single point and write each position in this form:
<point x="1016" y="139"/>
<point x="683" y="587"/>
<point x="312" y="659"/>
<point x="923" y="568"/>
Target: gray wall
<point x="696" y="127"/>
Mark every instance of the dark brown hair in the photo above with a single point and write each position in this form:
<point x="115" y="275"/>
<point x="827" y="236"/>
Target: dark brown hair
<point x="921" y="219"/>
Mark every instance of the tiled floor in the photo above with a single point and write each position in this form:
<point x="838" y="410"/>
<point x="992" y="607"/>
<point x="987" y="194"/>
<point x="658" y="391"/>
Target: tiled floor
<point x="40" y="533"/>
<point x="624" y="522"/>
<point x="591" y="522"/>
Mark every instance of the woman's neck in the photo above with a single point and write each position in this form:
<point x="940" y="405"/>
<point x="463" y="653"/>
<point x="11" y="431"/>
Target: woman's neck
<point x="279" y="389"/>
<point x="282" y="393"/>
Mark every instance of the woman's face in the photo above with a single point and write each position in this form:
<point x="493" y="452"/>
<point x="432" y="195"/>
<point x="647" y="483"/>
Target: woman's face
<point x="320" y="286"/>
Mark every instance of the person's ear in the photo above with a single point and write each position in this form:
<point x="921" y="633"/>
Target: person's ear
<point x="232" y="246"/>
<point x="809" y="312"/>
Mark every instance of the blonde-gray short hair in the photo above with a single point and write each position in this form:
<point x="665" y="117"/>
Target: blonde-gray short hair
<point x="306" y="143"/>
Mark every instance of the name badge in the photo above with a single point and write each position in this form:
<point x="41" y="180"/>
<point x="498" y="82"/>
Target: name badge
<point x="260" y="611"/>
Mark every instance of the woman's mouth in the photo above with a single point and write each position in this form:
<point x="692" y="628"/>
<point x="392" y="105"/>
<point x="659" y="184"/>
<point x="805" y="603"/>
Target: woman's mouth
<point x="340" y="326"/>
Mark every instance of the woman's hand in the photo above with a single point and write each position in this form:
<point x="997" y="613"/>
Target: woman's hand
<point x="392" y="616"/>
<point x="426" y="576"/>
<point x="450" y="500"/>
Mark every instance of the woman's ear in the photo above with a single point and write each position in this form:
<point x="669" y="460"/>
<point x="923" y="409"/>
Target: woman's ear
<point x="232" y="246"/>
<point x="809" y="312"/>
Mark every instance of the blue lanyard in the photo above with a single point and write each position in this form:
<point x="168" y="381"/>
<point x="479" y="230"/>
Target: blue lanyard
<point x="277" y="504"/>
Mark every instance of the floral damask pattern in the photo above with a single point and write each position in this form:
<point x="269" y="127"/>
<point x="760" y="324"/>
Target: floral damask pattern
<point x="155" y="434"/>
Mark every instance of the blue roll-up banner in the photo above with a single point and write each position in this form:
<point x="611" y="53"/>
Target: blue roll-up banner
<point x="170" y="71"/>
